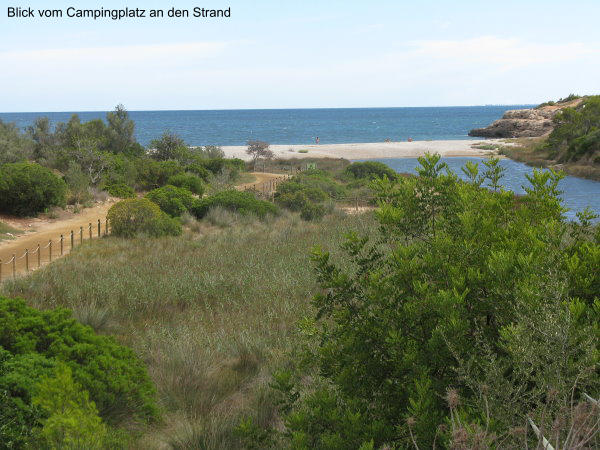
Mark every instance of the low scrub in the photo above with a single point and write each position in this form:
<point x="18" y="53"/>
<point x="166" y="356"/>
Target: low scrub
<point x="196" y="311"/>
<point x="370" y="170"/>
<point x="187" y="181"/>
<point x="27" y="189"/>
<point x="135" y="216"/>
<point x="120" y="190"/>
<point x="172" y="200"/>
<point x="59" y="380"/>
<point x="241" y="202"/>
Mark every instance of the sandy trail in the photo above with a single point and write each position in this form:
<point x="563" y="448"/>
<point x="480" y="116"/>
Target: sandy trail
<point x="373" y="150"/>
<point x="262" y="182"/>
<point x="41" y="231"/>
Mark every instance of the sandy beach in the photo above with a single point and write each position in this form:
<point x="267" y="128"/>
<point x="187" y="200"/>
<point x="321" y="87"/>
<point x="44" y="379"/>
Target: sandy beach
<point x="373" y="150"/>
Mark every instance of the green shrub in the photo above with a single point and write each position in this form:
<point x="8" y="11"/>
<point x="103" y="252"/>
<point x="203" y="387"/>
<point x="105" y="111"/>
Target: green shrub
<point x="312" y="211"/>
<point x="34" y="345"/>
<point x="199" y="170"/>
<point x="370" y="170"/>
<point x="187" y="181"/>
<point x="294" y="201"/>
<point x="120" y="190"/>
<point x="28" y="188"/>
<point x="131" y="217"/>
<point x="154" y="174"/>
<point x="242" y="202"/>
<point x="72" y="419"/>
<point x="172" y="200"/>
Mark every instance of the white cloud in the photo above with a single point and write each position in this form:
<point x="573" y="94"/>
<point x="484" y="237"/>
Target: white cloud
<point x="505" y="53"/>
<point x="106" y="57"/>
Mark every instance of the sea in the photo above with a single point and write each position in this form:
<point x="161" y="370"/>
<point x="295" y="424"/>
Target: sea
<point x="296" y="126"/>
<point x="335" y="126"/>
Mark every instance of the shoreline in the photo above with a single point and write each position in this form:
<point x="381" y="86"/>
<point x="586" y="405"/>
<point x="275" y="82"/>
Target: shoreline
<point x="374" y="150"/>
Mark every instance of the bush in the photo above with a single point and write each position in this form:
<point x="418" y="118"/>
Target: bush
<point x="242" y="202"/>
<point x="312" y="211"/>
<point x="187" y="181"/>
<point x="36" y="346"/>
<point x="294" y="201"/>
<point x="120" y="190"/>
<point x="28" y="188"/>
<point x="154" y="174"/>
<point x="131" y="217"/>
<point x="172" y="200"/>
<point x="199" y="170"/>
<point x="370" y="170"/>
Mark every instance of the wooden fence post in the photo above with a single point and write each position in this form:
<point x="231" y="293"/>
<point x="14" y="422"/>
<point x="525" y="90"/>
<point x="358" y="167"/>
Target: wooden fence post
<point x="90" y="230"/>
<point x="50" y="247"/>
<point x="72" y="239"/>
<point x="0" y="270"/>
<point x="27" y="259"/>
<point x="61" y="245"/>
<point x="80" y="235"/>
<point x="14" y="266"/>
<point x="99" y="227"/>
<point x="39" y="252"/>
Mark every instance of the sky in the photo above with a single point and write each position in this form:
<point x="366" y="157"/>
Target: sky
<point x="300" y="54"/>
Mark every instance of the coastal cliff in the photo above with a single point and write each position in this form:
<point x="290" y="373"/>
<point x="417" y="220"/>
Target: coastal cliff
<point x="533" y="122"/>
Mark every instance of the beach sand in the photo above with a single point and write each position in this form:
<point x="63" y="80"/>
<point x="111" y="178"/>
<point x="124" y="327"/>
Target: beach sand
<point x="373" y="150"/>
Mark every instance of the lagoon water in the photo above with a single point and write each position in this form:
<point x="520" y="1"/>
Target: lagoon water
<point x="578" y="193"/>
<point x="297" y="126"/>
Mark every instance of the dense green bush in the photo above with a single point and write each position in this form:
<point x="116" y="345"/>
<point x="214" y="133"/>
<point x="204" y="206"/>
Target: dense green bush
<point x="131" y="217"/>
<point x="28" y="188"/>
<point x="218" y="165"/>
<point x="474" y="309"/>
<point x="173" y="200"/>
<point x="312" y="211"/>
<point x="294" y="195"/>
<point x="120" y="190"/>
<point x="154" y="174"/>
<point x="242" y="202"/>
<point x="187" y="181"/>
<point x="199" y="170"/>
<point x="34" y="345"/>
<point x="370" y="170"/>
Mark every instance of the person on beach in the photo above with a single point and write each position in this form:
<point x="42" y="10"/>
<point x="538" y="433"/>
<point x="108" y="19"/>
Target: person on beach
<point x="409" y="139"/>
<point x="317" y="140"/>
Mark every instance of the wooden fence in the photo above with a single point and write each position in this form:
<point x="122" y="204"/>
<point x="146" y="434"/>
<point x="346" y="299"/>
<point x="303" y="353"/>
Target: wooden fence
<point x="27" y="260"/>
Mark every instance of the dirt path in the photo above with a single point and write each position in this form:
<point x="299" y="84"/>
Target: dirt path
<point x="42" y="231"/>
<point x="263" y="183"/>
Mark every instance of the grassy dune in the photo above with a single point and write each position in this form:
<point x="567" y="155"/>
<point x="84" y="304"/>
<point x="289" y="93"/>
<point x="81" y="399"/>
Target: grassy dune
<point x="212" y="313"/>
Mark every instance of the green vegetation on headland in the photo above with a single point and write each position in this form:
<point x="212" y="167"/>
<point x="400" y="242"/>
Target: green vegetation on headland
<point x="451" y="315"/>
<point x="572" y="146"/>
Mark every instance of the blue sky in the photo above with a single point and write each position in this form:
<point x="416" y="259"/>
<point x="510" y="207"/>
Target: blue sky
<point x="297" y="54"/>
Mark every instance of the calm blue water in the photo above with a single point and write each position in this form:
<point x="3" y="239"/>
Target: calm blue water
<point x="577" y="192"/>
<point x="298" y="126"/>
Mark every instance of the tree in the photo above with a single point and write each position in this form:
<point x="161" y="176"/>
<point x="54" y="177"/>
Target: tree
<point x="120" y="130"/>
<point x="169" y="146"/>
<point x="14" y="146"/>
<point x="258" y="149"/>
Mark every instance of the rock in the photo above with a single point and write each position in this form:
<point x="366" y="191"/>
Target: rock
<point x="523" y="122"/>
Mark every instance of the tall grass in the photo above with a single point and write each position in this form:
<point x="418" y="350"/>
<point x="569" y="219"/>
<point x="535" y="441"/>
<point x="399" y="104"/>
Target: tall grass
<point x="211" y="314"/>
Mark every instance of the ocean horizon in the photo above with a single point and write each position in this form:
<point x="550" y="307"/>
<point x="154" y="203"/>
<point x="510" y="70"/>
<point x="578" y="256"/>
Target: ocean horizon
<point x="295" y="126"/>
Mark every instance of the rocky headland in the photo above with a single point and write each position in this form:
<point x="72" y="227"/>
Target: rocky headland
<point x="533" y="122"/>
